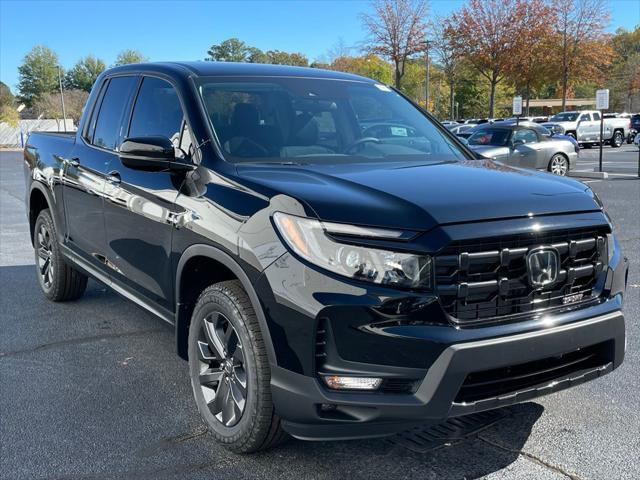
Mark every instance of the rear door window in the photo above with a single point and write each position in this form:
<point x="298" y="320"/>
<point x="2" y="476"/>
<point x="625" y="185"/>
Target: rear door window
<point x="110" y="121"/>
<point x="596" y="116"/>
<point x="525" y="136"/>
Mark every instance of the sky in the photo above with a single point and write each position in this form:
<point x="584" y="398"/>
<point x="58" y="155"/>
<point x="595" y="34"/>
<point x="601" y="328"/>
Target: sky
<point x="184" y="30"/>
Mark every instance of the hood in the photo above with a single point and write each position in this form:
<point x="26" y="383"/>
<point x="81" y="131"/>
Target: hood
<point x="564" y="125"/>
<point x="420" y="196"/>
<point x="489" y="151"/>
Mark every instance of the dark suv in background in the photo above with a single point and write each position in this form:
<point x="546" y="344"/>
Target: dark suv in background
<point x="335" y="263"/>
<point x="634" y="127"/>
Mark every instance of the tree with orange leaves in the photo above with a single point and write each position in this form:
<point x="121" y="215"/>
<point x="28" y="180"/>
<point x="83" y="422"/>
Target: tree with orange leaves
<point x="582" y="49"/>
<point x="530" y="68"/>
<point x="488" y="33"/>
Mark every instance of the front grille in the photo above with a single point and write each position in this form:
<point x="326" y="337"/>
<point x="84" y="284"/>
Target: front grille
<point x="488" y="280"/>
<point x="398" y="385"/>
<point x="506" y="380"/>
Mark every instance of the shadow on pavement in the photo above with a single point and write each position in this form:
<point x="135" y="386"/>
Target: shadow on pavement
<point x="100" y="371"/>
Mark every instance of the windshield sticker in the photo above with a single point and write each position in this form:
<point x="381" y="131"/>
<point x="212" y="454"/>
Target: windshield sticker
<point x="398" y="131"/>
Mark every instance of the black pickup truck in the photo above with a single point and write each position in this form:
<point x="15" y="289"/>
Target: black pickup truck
<point x="334" y="262"/>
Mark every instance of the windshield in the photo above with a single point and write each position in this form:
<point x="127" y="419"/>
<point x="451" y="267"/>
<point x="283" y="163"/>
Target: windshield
<point x="496" y="137"/>
<point x="307" y="120"/>
<point x="564" y="117"/>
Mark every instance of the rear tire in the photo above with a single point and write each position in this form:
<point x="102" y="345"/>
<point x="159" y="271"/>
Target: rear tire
<point x="59" y="281"/>
<point x="617" y="140"/>
<point x="229" y="370"/>
<point x="559" y="165"/>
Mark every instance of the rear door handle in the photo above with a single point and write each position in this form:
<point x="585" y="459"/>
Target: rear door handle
<point x="113" y="177"/>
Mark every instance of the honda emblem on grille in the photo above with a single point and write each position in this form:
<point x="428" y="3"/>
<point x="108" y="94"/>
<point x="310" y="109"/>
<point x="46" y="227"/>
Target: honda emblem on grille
<point x="543" y="265"/>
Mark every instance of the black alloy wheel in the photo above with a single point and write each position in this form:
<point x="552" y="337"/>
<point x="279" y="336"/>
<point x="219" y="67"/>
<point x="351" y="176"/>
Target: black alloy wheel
<point x="44" y="246"/>
<point x="223" y="378"/>
<point x="59" y="280"/>
<point x="230" y="370"/>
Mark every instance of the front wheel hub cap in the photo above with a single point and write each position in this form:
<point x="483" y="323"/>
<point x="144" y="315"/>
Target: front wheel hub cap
<point x="223" y="377"/>
<point x="44" y="252"/>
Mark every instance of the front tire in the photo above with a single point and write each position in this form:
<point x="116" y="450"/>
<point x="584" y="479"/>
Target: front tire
<point x="59" y="281"/>
<point x="229" y="370"/>
<point x="559" y="165"/>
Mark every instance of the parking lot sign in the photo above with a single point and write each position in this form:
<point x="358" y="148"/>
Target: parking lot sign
<point x="602" y="103"/>
<point x="517" y="106"/>
<point x="602" y="99"/>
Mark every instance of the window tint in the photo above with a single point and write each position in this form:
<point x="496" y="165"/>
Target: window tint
<point x="497" y="137"/>
<point x="109" y="124"/>
<point x="91" y="124"/>
<point x="157" y="111"/>
<point x="320" y="120"/>
<point x="526" y="136"/>
<point x="596" y="116"/>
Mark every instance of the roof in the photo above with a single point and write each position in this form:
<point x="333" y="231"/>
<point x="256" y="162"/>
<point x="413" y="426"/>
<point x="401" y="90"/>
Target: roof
<point x="232" y="69"/>
<point x="510" y="125"/>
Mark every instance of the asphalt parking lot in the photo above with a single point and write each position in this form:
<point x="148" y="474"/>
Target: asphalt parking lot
<point x="93" y="389"/>
<point x="617" y="162"/>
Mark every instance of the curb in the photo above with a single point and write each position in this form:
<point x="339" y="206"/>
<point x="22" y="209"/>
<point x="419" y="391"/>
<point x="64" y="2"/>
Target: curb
<point x="600" y="175"/>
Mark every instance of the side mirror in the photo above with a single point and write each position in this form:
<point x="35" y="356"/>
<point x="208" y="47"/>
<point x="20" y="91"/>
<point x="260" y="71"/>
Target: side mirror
<point x="153" y="153"/>
<point x="517" y="142"/>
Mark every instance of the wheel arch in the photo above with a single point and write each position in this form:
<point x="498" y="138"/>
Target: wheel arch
<point x="231" y="270"/>
<point x="39" y="199"/>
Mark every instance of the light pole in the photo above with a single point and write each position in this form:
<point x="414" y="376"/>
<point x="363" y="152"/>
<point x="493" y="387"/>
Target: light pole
<point x="427" y="85"/>
<point x="64" y="113"/>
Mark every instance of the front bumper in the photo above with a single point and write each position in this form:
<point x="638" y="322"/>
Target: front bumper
<point x="325" y="324"/>
<point x="299" y="399"/>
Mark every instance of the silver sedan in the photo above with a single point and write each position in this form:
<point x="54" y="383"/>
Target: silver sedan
<point x="527" y="145"/>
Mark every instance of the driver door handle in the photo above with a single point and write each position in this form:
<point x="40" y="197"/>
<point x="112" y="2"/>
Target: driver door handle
<point x="113" y="177"/>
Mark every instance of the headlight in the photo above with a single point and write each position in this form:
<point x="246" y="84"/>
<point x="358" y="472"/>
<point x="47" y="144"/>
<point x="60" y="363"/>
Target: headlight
<point x="308" y="238"/>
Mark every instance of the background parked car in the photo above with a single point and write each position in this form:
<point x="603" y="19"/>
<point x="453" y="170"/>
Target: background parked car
<point x="584" y="126"/>
<point x="635" y="127"/>
<point x="467" y="132"/>
<point x="526" y="145"/>
<point x="459" y="130"/>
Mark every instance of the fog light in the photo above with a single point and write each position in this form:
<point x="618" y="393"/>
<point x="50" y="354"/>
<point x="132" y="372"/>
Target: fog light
<point x="337" y="382"/>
